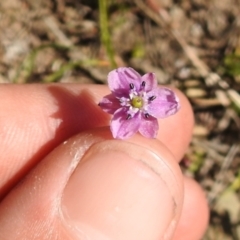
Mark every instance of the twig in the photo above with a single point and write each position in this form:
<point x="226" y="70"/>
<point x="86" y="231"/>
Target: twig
<point x="189" y="51"/>
<point x="51" y="23"/>
<point x="211" y="78"/>
<point x="219" y="183"/>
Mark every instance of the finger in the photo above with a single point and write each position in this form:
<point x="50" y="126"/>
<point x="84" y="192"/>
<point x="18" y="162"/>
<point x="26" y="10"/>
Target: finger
<point x="93" y="187"/>
<point x="195" y="214"/>
<point x="176" y="131"/>
<point x="36" y="118"/>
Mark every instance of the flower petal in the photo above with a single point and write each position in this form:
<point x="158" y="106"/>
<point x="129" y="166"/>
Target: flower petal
<point x="165" y="104"/>
<point x="150" y="80"/>
<point x="119" y="80"/>
<point x="121" y="127"/>
<point x="149" y="127"/>
<point x="109" y="104"/>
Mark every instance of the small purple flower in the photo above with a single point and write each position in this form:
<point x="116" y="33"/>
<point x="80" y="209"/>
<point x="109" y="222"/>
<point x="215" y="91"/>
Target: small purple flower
<point x="136" y="102"/>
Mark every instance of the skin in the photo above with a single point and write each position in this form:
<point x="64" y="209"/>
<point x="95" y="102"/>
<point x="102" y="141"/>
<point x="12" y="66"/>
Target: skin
<point x="64" y="177"/>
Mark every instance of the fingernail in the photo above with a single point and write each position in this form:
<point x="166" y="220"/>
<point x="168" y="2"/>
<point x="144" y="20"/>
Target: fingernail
<point x="119" y="191"/>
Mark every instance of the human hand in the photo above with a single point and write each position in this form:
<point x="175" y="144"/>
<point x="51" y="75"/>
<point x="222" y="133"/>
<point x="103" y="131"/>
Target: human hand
<point x="89" y="186"/>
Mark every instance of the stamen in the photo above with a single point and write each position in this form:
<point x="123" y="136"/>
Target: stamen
<point x="129" y="116"/>
<point x="147" y="115"/>
<point x="131" y="86"/>
<point x="152" y="98"/>
<point x="143" y="84"/>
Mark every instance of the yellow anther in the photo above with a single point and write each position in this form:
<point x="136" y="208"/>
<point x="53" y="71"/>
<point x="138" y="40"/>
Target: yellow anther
<point x="137" y="102"/>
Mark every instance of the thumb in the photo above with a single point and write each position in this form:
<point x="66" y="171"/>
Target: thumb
<point x="93" y="187"/>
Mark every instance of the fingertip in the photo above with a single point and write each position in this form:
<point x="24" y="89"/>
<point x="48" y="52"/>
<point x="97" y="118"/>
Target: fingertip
<point x="118" y="190"/>
<point x="112" y="185"/>
<point x="195" y="213"/>
<point x="149" y="177"/>
<point x="176" y="131"/>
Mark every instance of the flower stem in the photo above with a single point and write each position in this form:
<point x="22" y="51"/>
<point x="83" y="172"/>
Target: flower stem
<point x="105" y="35"/>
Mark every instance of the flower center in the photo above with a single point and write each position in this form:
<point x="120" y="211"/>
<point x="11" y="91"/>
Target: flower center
<point x="137" y="102"/>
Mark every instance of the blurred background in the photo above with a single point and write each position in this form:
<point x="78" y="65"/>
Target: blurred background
<point x="193" y="45"/>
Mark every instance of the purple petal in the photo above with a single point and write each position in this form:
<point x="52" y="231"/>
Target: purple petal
<point x="119" y="80"/>
<point x="150" y="80"/>
<point x="149" y="127"/>
<point x="110" y="104"/>
<point x="165" y="104"/>
<point x="121" y="127"/>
